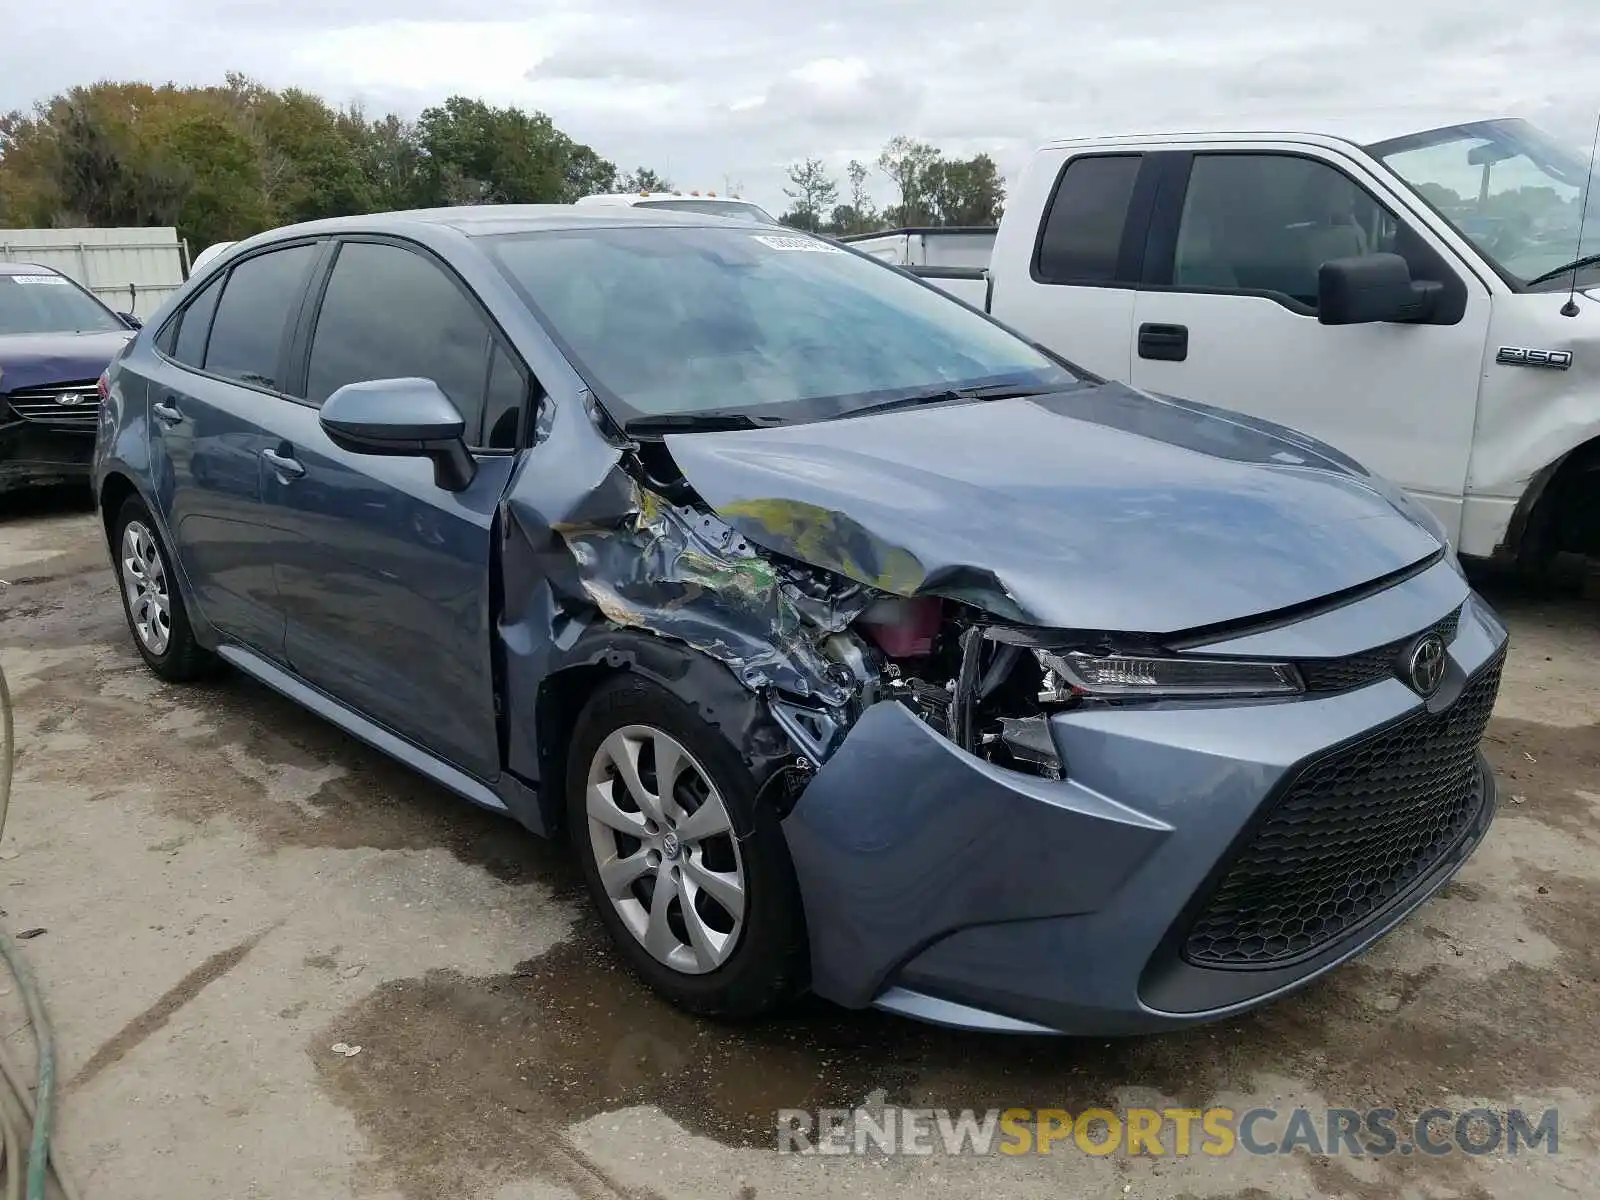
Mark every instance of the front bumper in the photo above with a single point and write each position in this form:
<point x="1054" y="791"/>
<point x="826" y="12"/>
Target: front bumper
<point x="955" y="891"/>
<point x="34" y="455"/>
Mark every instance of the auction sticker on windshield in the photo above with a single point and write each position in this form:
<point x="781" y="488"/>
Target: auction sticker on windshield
<point x="39" y="279"/>
<point x="810" y="245"/>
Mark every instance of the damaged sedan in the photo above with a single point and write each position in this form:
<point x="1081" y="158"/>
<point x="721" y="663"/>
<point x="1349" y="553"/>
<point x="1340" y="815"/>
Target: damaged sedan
<point x="855" y="643"/>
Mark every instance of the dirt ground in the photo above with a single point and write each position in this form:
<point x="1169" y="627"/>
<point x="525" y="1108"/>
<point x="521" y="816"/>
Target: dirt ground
<point x="229" y="887"/>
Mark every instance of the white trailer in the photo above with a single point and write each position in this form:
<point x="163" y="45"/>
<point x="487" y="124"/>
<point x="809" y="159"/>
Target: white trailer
<point x="952" y="257"/>
<point x="131" y="269"/>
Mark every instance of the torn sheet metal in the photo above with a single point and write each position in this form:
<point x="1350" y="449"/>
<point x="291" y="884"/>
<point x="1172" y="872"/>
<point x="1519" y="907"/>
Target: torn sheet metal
<point x="689" y="575"/>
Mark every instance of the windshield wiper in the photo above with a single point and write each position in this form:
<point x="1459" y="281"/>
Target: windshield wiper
<point x="702" y="422"/>
<point x="1588" y="260"/>
<point x="993" y="391"/>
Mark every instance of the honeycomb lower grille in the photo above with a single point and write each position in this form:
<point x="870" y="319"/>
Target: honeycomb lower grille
<point x="1350" y="834"/>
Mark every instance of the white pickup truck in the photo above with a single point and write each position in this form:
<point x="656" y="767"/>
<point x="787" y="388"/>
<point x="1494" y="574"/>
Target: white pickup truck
<point x="1404" y="298"/>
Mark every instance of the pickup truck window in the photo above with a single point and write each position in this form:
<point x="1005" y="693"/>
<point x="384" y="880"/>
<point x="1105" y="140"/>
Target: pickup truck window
<point x="1267" y="223"/>
<point x="689" y="319"/>
<point x="1083" y="225"/>
<point x="1508" y="187"/>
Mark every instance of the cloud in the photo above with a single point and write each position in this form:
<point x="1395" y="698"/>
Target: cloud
<point x="712" y="91"/>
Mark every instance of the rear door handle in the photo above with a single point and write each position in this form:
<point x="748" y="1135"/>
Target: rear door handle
<point x="1166" y="343"/>
<point x="167" y="412"/>
<point x="286" y="467"/>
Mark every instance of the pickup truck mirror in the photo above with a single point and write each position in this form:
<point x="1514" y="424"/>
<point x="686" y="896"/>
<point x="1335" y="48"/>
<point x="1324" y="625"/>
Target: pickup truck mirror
<point x="1373" y="287"/>
<point x="401" y="417"/>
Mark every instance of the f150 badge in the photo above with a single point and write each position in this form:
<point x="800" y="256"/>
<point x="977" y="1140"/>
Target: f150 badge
<point x="1516" y="356"/>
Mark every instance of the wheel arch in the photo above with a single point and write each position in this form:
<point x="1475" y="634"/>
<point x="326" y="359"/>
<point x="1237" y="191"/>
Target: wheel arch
<point x="1545" y="519"/>
<point x="115" y="489"/>
<point x="701" y="682"/>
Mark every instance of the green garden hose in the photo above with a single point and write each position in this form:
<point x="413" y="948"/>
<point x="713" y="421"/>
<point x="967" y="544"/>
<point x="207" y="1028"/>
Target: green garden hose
<point x="40" y="1107"/>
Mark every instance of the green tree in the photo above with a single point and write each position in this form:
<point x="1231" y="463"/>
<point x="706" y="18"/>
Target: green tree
<point x="309" y="165"/>
<point x="389" y="154"/>
<point x="226" y="161"/>
<point x="813" y="195"/>
<point x="587" y="174"/>
<point x="643" y="179"/>
<point x="223" y="199"/>
<point x="964" y="191"/>
<point x="477" y="154"/>
<point x="907" y="162"/>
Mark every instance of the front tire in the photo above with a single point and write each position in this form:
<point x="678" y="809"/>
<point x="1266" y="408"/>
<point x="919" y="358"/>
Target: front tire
<point x="691" y="878"/>
<point x="152" y="600"/>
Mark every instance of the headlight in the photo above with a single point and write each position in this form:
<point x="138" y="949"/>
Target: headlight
<point x="1134" y="676"/>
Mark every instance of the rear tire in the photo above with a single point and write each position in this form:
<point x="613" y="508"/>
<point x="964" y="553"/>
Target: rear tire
<point x="152" y="600"/>
<point x="729" y="941"/>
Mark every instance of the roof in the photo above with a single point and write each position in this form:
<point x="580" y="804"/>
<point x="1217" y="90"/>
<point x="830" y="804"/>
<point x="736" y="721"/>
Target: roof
<point x="1363" y="129"/>
<point x="478" y="220"/>
<point x="635" y="197"/>
<point x="21" y="268"/>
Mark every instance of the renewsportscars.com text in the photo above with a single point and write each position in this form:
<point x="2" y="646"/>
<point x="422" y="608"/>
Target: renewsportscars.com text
<point x="1375" y="1132"/>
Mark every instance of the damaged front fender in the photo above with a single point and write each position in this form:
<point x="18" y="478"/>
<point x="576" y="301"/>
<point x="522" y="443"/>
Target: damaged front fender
<point x="600" y="571"/>
<point x="690" y="576"/>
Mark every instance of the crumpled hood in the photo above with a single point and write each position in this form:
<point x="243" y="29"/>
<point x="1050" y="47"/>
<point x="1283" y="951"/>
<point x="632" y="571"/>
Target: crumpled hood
<point x="1097" y="508"/>
<point x="29" y="360"/>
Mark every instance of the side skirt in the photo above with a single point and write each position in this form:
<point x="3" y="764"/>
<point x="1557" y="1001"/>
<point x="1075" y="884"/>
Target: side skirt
<point x="374" y="735"/>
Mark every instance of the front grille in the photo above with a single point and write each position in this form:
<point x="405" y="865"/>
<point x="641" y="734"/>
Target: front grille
<point x="73" y="406"/>
<point x="1348" y="836"/>
<point x="1369" y="666"/>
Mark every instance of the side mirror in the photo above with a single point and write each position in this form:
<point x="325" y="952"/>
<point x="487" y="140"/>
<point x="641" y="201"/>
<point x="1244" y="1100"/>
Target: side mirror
<point x="1373" y="287"/>
<point x="403" y="418"/>
<point x="131" y="321"/>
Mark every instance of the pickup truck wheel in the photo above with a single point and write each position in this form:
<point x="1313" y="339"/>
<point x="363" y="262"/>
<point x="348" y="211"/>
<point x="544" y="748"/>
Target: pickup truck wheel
<point x="151" y="599"/>
<point x="691" y="878"/>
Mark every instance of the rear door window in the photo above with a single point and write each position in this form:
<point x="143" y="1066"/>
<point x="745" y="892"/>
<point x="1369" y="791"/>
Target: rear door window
<point x="1085" y="221"/>
<point x="261" y="295"/>
<point x="194" y="323"/>
<point x="391" y="313"/>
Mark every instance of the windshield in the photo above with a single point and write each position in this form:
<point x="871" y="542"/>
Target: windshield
<point x="1508" y="187"/>
<point x="50" y="304"/>
<point x="699" y="319"/>
<point x="736" y="209"/>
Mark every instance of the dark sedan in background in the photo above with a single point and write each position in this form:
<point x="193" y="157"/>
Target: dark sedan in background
<point x="55" y="341"/>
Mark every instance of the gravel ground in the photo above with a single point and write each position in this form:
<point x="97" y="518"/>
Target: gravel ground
<point x="229" y="887"/>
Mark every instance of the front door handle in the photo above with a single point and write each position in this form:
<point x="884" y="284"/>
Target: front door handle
<point x="287" y="468"/>
<point x="167" y="412"/>
<point x="1165" y="343"/>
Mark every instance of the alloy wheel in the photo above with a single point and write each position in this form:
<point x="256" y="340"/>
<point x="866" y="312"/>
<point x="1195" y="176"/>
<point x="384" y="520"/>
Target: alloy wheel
<point x="144" y="580"/>
<point x="666" y="850"/>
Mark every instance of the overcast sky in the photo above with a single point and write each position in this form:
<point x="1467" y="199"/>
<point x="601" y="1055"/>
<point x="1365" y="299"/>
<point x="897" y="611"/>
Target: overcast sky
<point x="713" y="91"/>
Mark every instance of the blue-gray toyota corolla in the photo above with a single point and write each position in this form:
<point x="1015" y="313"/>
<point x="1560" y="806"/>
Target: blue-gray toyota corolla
<point x="855" y="643"/>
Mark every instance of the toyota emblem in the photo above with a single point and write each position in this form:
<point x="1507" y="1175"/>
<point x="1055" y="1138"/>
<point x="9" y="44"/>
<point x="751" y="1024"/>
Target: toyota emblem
<point x="1425" y="670"/>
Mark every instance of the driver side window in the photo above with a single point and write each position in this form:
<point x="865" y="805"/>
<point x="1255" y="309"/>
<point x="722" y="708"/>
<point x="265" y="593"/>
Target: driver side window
<point x="388" y="313"/>
<point x="1267" y="223"/>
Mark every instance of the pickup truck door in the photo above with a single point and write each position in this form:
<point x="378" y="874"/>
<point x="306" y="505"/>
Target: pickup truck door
<point x="1225" y="312"/>
<point x="1083" y="258"/>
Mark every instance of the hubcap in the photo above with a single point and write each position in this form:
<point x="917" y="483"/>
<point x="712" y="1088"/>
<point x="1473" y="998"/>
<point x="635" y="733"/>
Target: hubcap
<point x="668" y="857"/>
<point x="144" y="580"/>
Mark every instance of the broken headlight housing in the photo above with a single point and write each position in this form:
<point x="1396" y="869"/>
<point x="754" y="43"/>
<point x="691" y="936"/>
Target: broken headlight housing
<point x="1074" y="673"/>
